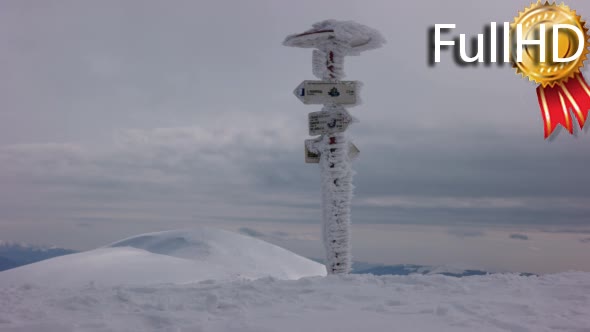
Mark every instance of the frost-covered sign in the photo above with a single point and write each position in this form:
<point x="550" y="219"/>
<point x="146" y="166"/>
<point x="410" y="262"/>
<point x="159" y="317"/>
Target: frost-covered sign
<point x="311" y="157"/>
<point x="312" y="154"/>
<point x="353" y="151"/>
<point x="324" y="122"/>
<point x="324" y="92"/>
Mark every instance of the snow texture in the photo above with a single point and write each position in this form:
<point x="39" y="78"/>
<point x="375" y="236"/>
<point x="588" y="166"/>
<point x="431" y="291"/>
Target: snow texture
<point x="493" y="303"/>
<point x="337" y="188"/>
<point x="336" y="174"/>
<point x="168" y="257"/>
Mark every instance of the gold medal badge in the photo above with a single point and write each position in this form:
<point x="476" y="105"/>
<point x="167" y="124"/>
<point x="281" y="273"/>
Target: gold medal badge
<point x="556" y="67"/>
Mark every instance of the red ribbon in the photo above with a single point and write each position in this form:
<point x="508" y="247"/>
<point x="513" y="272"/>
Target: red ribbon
<point x="557" y="101"/>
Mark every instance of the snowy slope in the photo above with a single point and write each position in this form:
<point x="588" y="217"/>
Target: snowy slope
<point x="492" y="303"/>
<point x="168" y="257"/>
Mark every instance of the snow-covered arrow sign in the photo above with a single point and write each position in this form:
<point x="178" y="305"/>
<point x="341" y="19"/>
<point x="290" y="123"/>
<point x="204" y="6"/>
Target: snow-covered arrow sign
<point x="325" y="122"/>
<point x="353" y="151"/>
<point x="312" y="154"/>
<point x="323" y="92"/>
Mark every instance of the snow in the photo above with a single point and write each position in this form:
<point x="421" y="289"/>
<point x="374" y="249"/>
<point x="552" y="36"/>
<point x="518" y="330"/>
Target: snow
<point x="353" y="37"/>
<point x="212" y="280"/>
<point x="492" y="303"/>
<point x="168" y="257"/>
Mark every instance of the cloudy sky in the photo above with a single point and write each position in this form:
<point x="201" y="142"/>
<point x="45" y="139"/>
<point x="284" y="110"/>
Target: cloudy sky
<point x="123" y="117"/>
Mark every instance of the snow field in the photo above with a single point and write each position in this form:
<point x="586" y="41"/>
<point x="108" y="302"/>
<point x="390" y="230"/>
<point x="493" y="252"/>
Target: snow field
<point x="336" y="303"/>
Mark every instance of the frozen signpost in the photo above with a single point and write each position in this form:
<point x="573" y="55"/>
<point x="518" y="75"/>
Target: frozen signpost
<point x="331" y="41"/>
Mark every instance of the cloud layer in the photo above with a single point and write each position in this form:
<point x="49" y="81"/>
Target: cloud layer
<point x="116" y="117"/>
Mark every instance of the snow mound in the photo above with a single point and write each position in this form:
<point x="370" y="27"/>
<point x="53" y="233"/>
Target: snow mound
<point x="182" y="256"/>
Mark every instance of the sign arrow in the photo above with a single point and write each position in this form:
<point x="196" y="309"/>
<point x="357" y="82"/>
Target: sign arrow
<point x="323" y="92"/>
<point x="353" y="151"/>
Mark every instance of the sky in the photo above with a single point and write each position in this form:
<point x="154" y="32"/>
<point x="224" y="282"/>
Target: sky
<point x="119" y="118"/>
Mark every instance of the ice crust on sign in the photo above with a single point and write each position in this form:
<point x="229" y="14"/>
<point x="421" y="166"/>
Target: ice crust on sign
<point x="356" y="37"/>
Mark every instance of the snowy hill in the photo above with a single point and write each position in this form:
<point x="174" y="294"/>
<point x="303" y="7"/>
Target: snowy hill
<point x="168" y="257"/>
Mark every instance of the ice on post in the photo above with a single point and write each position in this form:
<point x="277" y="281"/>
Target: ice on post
<point x="333" y="40"/>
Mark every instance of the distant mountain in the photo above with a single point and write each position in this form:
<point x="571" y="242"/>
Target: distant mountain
<point x="6" y="264"/>
<point x="17" y="254"/>
<point x="409" y="269"/>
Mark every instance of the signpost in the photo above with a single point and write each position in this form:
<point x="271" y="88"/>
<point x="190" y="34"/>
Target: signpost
<point x="331" y="41"/>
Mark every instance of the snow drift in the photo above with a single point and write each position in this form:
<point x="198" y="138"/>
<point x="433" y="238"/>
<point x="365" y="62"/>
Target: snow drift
<point x="168" y="257"/>
<point x="492" y="303"/>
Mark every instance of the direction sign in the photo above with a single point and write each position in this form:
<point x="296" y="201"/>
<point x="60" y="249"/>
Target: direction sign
<point x="314" y="158"/>
<point x="323" y="92"/>
<point x="325" y="122"/>
<point x="353" y="151"/>
<point x="310" y="157"/>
